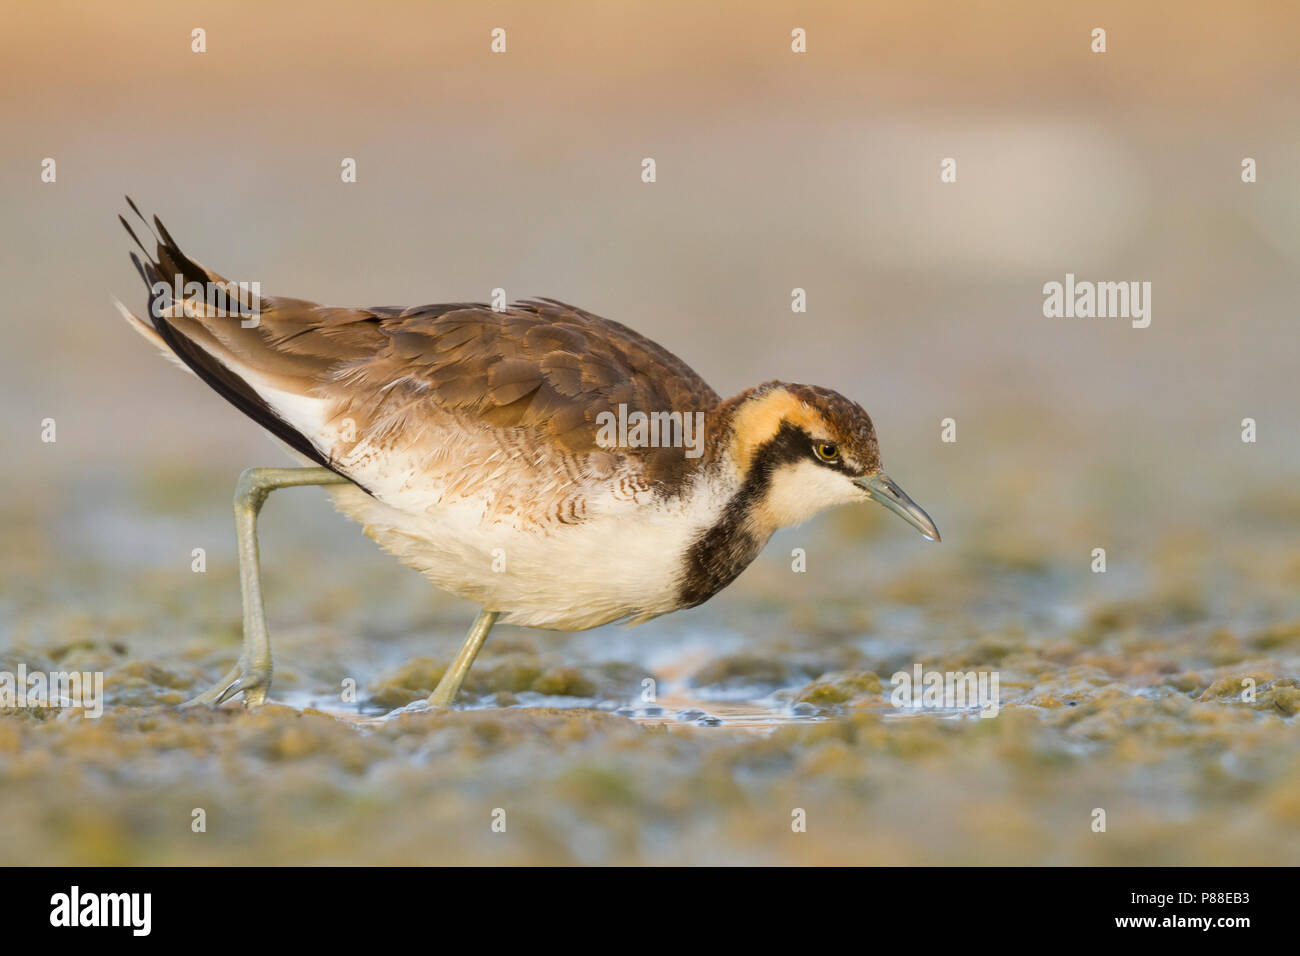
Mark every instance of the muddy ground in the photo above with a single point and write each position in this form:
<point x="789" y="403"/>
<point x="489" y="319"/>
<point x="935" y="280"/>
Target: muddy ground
<point x="1120" y="691"/>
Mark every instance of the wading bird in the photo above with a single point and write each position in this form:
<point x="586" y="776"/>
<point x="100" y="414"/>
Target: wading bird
<point x="472" y="444"/>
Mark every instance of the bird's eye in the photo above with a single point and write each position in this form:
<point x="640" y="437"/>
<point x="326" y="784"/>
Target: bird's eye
<point x="826" y="451"/>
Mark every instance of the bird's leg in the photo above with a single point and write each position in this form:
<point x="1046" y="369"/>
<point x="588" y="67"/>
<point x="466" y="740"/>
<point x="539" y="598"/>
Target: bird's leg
<point x="449" y="686"/>
<point x="251" y="675"/>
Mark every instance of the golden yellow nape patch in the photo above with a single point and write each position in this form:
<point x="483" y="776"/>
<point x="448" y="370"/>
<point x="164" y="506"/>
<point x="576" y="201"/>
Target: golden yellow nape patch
<point x="758" y="420"/>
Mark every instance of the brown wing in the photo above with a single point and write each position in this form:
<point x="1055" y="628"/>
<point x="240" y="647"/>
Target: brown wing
<point x="540" y="367"/>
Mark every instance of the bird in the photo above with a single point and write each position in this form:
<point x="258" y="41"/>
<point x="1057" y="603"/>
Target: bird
<point x="559" y="469"/>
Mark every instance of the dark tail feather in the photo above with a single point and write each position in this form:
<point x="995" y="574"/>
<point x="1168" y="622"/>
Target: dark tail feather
<point x="170" y="262"/>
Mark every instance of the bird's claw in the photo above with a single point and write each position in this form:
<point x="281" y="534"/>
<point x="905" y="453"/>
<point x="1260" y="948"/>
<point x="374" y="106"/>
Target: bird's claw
<point x="252" y="681"/>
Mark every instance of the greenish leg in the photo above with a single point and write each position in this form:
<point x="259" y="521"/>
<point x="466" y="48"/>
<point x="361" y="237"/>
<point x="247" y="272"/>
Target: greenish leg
<point x="449" y="686"/>
<point x="251" y="675"/>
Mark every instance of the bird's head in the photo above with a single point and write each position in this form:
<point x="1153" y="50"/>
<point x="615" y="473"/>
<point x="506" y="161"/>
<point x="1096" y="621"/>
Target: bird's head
<point x="800" y="449"/>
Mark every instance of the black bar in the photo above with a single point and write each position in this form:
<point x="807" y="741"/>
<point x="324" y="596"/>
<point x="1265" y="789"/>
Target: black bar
<point x="335" y="906"/>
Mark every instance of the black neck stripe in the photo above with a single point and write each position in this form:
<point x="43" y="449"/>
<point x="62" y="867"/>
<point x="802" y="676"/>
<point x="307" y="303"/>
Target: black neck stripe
<point x="720" y="553"/>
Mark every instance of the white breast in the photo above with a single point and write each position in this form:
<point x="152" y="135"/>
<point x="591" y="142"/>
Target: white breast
<point x="502" y="519"/>
<point x="622" y="561"/>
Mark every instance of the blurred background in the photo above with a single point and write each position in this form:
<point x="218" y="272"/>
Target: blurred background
<point x="775" y="170"/>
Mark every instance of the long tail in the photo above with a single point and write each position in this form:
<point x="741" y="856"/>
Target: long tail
<point x="188" y="331"/>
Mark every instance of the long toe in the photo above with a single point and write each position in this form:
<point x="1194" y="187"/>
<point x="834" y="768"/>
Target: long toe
<point x="252" y="682"/>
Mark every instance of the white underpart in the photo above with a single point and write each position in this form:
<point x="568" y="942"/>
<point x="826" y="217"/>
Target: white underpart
<point x="622" y="563"/>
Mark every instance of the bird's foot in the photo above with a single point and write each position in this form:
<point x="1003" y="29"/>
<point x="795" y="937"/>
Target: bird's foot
<point x="251" y="680"/>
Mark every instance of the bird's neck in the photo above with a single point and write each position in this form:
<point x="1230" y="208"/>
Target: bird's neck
<point x="732" y="473"/>
<point x="720" y="552"/>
